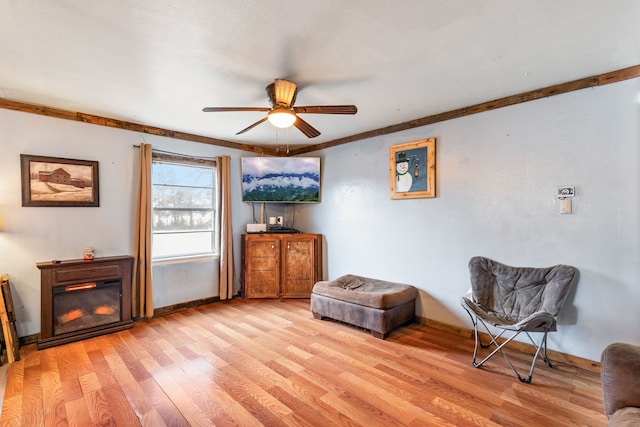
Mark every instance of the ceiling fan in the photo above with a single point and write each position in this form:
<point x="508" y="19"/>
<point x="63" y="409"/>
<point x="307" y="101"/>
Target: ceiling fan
<point x="282" y="95"/>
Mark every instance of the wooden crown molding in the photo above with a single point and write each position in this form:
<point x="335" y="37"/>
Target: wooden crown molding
<point x="584" y="83"/>
<point x="134" y="127"/>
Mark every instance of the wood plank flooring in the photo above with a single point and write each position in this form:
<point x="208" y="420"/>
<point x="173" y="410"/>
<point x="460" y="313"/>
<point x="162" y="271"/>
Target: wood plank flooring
<point x="269" y="362"/>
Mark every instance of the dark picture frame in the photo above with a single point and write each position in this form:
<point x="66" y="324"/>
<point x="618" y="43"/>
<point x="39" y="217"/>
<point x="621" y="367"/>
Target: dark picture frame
<point x="59" y="182"/>
<point x="412" y="169"/>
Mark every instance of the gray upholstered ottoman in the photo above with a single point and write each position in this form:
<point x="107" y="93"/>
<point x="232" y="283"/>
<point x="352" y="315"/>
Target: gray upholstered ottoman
<point x="372" y="304"/>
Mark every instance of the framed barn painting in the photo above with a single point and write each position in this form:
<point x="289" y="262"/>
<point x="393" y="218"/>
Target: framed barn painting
<point x="51" y="181"/>
<point x="412" y="169"/>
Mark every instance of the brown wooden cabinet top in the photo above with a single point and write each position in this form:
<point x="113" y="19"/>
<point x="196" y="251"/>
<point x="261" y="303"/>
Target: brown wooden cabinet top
<point x="274" y="234"/>
<point x="72" y="262"/>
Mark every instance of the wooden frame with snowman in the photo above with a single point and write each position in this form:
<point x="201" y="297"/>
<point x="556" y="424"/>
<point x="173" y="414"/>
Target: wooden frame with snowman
<point x="412" y="169"/>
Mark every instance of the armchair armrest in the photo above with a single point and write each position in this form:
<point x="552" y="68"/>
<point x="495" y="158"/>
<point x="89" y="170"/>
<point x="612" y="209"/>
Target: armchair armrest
<point x="620" y="375"/>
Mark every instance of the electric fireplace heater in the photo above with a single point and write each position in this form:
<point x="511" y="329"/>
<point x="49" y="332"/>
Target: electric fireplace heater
<point x="82" y="299"/>
<point x="86" y="305"/>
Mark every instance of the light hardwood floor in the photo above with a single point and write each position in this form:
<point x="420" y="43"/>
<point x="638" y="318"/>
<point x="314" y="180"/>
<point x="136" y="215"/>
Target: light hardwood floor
<point x="269" y="362"/>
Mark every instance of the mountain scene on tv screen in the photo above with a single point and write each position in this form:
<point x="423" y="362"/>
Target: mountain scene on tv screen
<point x="281" y="187"/>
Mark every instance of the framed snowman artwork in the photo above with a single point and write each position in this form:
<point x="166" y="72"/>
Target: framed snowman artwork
<point x="412" y="169"/>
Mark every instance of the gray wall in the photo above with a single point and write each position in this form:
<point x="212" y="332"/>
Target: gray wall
<point x="497" y="178"/>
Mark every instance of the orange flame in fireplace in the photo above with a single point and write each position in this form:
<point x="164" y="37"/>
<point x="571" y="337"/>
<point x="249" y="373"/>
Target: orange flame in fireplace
<point x="69" y="316"/>
<point x="104" y="309"/>
<point x="80" y="287"/>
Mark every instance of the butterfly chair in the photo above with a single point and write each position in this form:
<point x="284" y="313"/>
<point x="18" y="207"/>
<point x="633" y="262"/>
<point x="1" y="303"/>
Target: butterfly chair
<point x="515" y="300"/>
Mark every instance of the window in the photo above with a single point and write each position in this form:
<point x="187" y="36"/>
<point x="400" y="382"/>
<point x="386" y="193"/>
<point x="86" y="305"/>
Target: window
<point x="184" y="206"/>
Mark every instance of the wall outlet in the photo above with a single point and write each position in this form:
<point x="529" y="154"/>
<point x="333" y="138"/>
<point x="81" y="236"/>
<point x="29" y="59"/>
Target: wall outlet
<point x="280" y="220"/>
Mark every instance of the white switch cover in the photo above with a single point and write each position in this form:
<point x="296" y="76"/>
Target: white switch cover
<point x="565" y="206"/>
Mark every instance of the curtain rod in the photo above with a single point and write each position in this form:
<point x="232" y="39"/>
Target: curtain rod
<point x="155" y="150"/>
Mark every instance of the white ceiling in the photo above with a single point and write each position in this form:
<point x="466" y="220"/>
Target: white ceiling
<point x="159" y="62"/>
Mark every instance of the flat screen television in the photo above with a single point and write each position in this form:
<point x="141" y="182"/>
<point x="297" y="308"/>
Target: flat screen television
<point x="281" y="179"/>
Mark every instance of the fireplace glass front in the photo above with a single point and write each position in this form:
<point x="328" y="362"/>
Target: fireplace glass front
<point x="86" y="305"/>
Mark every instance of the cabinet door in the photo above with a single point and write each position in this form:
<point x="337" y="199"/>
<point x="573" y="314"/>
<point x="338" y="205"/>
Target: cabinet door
<point x="262" y="267"/>
<point x="299" y="266"/>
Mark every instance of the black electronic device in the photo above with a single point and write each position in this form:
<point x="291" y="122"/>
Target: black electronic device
<point x="282" y="230"/>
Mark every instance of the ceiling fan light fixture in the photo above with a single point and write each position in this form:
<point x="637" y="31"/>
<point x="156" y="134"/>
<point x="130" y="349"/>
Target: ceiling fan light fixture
<point x="282" y="117"/>
<point x="282" y="114"/>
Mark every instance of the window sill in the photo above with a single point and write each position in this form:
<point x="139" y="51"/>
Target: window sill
<point x="185" y="259"/>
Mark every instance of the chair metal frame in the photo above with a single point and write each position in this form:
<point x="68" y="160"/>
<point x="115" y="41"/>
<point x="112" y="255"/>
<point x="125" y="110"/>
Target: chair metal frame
<point x="541" y="346"/>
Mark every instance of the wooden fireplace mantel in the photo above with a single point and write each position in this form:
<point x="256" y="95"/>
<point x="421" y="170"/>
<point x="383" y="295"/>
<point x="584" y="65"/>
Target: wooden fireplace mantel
<point x="68" y="272"/>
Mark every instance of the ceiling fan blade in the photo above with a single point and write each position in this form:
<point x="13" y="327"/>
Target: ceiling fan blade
<point x="327" y="109"/>
<point x="306" y="128"/>
<point x="223" y="109"/>
<point x="285" y="92"/>
<point x="264" y="119"/>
